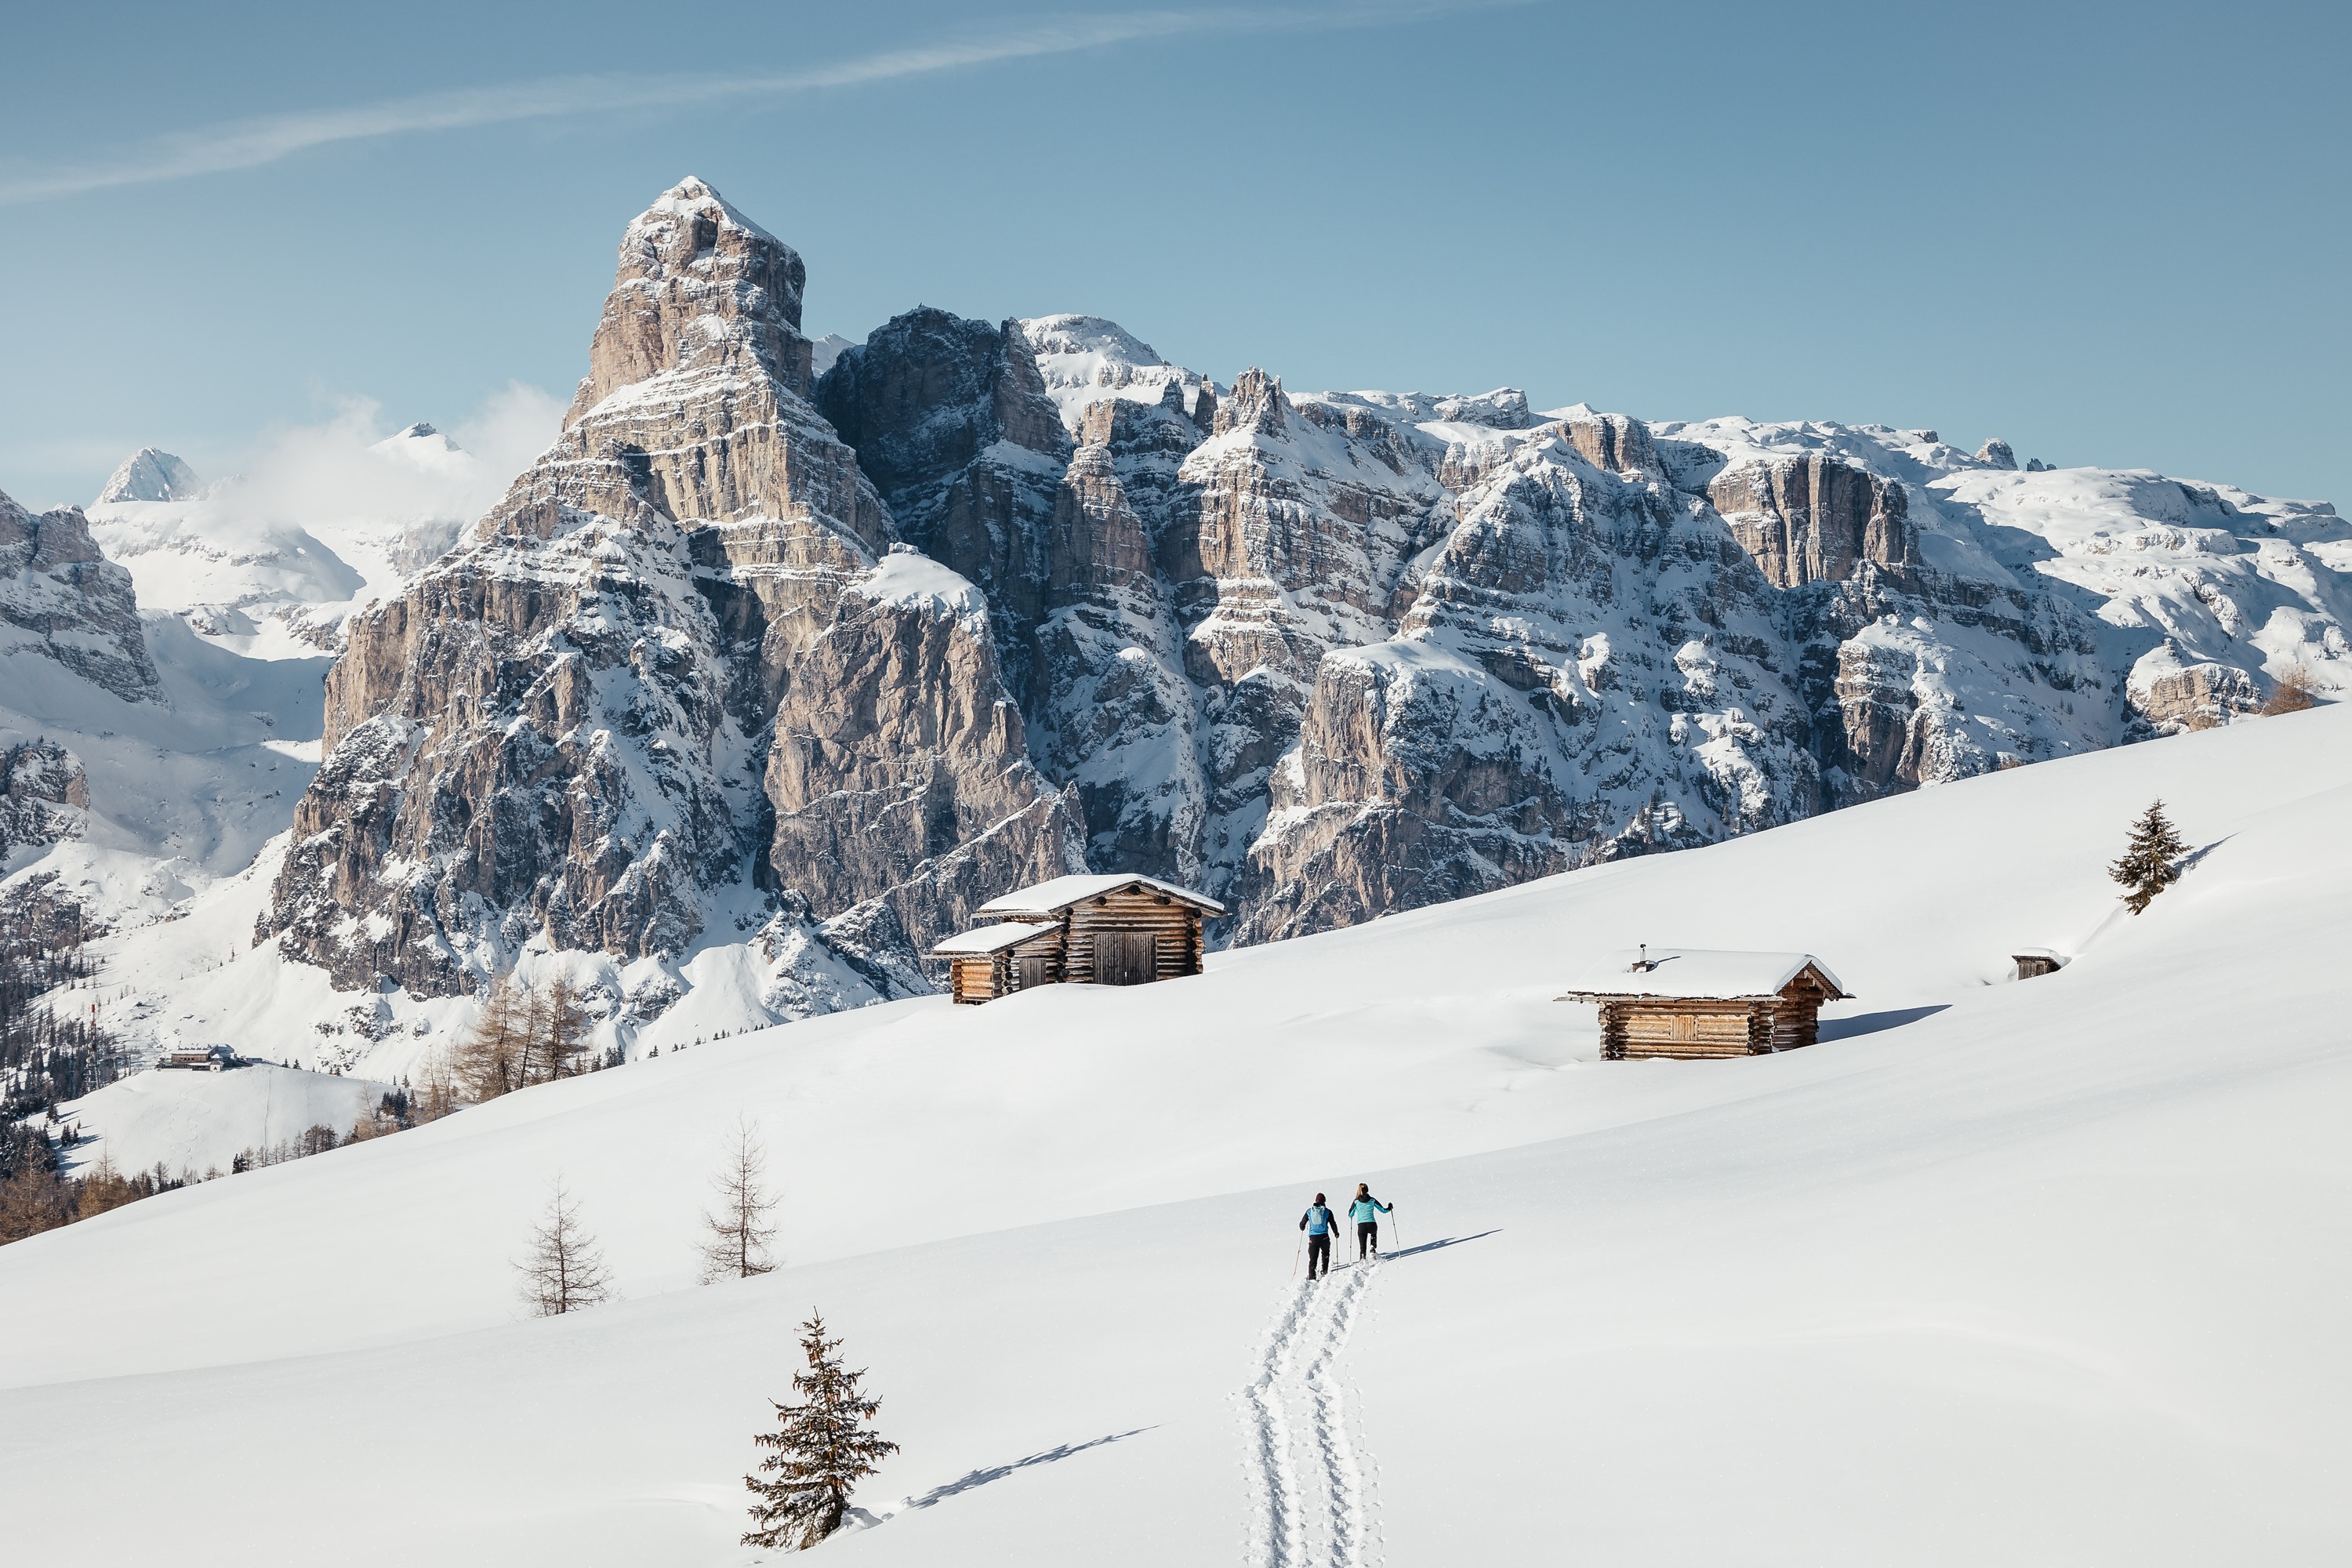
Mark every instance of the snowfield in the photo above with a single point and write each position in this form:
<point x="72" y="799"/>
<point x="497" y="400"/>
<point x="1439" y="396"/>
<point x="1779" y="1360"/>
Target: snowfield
<point x="200" y="1121"/>
<point x="2038" y="1272"/>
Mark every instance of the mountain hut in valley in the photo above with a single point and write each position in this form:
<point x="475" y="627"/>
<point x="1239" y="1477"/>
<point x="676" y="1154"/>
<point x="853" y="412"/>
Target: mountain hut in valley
<point x="1108" y="930"/>
<point x="1689" y="1002"/>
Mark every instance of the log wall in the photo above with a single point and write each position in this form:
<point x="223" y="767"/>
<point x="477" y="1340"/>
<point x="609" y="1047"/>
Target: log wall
<point x="1176" y="927"/>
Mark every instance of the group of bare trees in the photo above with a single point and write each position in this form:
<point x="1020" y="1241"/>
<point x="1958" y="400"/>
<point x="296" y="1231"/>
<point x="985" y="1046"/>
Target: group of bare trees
<point x="565" y="1272"/>
<point x="524" y="1034"/>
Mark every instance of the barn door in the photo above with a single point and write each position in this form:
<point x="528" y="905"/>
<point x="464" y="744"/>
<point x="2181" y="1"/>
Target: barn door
<point x="1033" y="970"/>
<point x="1126" y="958"/>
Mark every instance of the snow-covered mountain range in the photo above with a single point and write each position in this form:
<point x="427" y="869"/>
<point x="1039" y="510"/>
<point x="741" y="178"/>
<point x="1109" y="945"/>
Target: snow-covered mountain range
<point x="789" y="652"/>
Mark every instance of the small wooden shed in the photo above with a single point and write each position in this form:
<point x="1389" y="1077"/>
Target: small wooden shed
<point x="1694" y="1002"/>
<point x="2032" y="963"/>
<point x="1103" y="930"/>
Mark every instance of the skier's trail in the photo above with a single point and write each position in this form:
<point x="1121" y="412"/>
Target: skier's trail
<point x="1298" y="1363"/>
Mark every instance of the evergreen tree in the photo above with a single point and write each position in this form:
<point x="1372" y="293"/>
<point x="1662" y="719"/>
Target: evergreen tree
<point x="565" y="1270"/>
<point x="740" y="1234"/>
<point x="822" y="1450"/>
<point x="2147" y="867"/>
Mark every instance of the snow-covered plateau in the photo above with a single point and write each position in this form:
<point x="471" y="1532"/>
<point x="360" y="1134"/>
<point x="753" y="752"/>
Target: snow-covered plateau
<point x="2000" y="1270"/>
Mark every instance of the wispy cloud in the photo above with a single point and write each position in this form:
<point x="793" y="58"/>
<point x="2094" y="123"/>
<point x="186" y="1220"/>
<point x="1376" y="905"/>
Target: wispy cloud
<point x="266" y="138"/>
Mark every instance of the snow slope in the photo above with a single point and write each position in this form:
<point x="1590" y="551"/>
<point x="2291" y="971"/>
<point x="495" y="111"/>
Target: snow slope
<point x="2024" y="1272"/>
<point x="181" y="792"/>
<point x="200" y="1121"/>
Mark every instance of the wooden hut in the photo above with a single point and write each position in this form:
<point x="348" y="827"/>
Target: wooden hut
<point x="1112" y="929"/>
<point x="1691" y="1003"/>
<point x="2032" y="963"/>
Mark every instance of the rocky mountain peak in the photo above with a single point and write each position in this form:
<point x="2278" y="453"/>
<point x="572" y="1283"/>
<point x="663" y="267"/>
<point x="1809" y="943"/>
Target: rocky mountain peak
<point x="150" y="474"/>
<point x="1257" y="404"/>
<point x="698" y="286"/>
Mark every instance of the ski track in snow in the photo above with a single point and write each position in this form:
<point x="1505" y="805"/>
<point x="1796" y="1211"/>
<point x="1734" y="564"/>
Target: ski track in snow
<point x="1298" y="1368"/>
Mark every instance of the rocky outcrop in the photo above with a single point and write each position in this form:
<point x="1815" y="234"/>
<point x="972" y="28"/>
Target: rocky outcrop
<point x="2173" y="696"/>
<point x="43" y="795"/>
<point x="900" y="769"/>
<point x="61" y="601"/>
<point x="1814" y="519"/>
<point x="950" y="420"/>
<point x="567" y="731"/>
<point x="1591" y="668"/>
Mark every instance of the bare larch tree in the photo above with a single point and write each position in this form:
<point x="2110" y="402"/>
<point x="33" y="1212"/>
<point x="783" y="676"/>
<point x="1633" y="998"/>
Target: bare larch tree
<point x="565" y="1270"/>
<point x="738" y="1232"/>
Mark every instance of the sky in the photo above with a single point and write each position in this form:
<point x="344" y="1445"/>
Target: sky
<point x="2110" y="234"/>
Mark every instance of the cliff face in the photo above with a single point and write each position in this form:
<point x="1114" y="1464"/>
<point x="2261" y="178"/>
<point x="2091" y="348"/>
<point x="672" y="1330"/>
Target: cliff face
<point x="587" y="725"/>
<point x="818" y="664"/>
<point x="62" y="601"/>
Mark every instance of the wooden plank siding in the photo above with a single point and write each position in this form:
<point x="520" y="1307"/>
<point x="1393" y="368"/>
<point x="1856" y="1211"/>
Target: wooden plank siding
<point x="1691" y="1030"/>
<point x="1174" y="927"/>
<point x="984" y="977"/>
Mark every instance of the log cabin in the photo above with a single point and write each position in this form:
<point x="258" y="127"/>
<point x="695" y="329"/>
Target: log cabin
<point x="2032" y="963"/>
<point x="1695" y="1003"/>
<point x="1106" y="929"/>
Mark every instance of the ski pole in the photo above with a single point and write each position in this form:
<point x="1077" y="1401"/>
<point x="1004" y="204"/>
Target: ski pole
<point x="1295" y="1253"/>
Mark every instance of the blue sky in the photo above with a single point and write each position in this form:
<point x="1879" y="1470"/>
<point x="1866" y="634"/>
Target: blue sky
<point x="2112" y="234"/>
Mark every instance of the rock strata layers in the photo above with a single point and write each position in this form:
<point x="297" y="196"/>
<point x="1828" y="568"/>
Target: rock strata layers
<point x="581" y="728"/>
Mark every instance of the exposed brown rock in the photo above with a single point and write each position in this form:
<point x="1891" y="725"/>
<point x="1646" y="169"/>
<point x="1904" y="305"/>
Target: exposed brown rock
<point x="1813" y="519"/>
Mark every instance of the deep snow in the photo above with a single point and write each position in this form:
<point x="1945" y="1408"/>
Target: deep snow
<point x="2024" y="1272"/>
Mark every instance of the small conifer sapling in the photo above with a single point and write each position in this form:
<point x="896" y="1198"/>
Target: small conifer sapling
<point x="2148" y="865"/>
<point x="820" y="1450"/>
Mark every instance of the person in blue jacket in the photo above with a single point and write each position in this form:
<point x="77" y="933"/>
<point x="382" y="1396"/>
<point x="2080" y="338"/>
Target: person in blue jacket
<point x="1366" y="1212"/>
<point x="1318" y="1223"/>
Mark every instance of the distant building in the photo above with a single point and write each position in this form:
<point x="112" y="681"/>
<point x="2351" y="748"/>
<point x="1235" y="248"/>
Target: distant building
<point x="1109" y="930"/>
<point x="1690" y="1002"/>
<point x="2034" y="961"/>
<point x="202" y="1058"/>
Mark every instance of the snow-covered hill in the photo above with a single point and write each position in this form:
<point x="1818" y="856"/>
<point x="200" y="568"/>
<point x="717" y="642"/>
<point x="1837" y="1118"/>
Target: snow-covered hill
<point x="2036" y="1271"/>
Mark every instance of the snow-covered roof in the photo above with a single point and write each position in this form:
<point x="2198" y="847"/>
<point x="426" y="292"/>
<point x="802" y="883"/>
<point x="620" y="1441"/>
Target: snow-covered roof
<point x="1052" y="898"/>
<point x="992" y="939"/>
<point x="1697" y="974"/>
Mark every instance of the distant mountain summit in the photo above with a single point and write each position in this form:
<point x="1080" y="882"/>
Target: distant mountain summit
<point x="150" y="474"/>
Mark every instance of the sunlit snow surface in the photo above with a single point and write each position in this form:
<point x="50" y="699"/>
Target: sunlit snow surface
<point x="1999" y="1272"/>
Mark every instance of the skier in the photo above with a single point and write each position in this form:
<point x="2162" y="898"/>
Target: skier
<point x="1366" y="1212"/>
<point x="1318" y="1223"/>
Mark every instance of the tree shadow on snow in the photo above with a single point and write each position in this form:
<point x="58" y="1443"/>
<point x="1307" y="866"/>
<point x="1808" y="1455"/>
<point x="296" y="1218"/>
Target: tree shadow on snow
<point x="863" y="1520"/>
<point x="1871" y="1023"/>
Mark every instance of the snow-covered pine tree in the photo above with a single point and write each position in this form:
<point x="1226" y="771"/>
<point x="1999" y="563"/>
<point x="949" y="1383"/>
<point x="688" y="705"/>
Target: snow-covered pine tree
<point x="736" y="1246"/>
<point x="822" y="1449"/>
<point x="565" y="1270"/>
<point x="2147" y="867"/>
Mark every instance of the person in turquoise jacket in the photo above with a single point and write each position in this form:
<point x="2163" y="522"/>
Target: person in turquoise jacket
<point x="1366" y="1212"/>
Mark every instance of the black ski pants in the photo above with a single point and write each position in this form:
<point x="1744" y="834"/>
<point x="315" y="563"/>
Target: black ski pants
<point x="1319" y="1255"/>
<point x="1368" y="1237"/>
